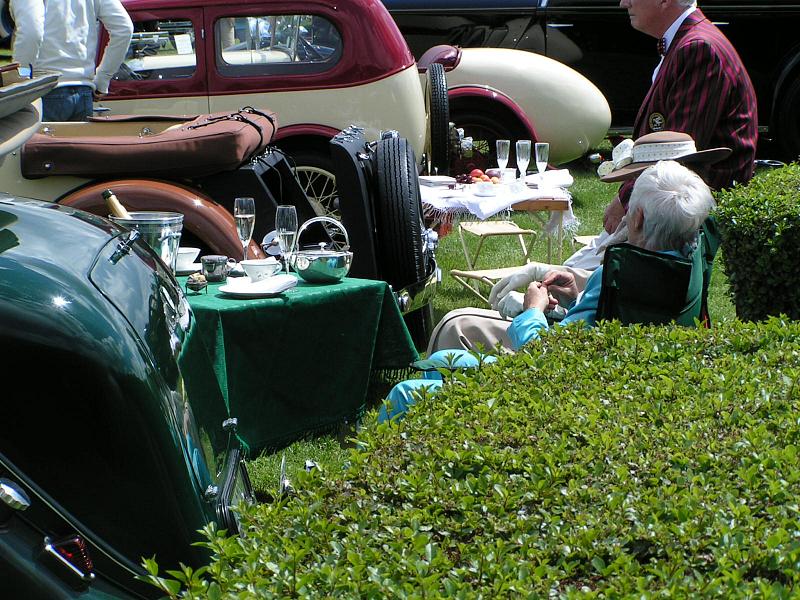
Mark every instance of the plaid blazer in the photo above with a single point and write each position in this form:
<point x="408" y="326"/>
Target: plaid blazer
<point x="703" y="89"/>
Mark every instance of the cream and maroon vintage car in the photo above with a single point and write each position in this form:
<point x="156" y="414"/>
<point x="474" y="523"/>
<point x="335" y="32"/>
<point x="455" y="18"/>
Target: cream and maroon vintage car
<point x="323" y="67"/>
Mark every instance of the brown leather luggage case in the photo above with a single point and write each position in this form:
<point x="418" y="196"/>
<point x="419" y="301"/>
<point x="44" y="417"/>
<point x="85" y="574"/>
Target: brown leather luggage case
<point x="180" y="147"/>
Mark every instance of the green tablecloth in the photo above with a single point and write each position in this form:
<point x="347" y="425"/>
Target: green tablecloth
<point x="296" y="363"/>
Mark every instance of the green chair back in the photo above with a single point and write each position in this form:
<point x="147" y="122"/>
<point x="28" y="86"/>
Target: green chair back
<point x="641" y="286"/>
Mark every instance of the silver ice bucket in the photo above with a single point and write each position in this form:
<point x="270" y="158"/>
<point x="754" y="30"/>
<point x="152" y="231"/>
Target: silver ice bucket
<point x="161" y="231"/>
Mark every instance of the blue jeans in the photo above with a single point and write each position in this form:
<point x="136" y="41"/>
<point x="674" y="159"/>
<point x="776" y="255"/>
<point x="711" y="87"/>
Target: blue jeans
<point x="403" y="395"/>
<point x="68" y="103"/>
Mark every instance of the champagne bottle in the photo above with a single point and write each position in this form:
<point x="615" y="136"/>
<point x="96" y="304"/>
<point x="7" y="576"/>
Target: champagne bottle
<point x="115" y="206"/>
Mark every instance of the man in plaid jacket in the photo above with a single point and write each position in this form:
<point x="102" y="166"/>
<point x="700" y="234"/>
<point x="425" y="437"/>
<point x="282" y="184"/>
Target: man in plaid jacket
<point x="700" y="87"/>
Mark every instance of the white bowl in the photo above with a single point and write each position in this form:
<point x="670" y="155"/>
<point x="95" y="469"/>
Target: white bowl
<point x="186" y="258"/>
<point x="258" y="269"/>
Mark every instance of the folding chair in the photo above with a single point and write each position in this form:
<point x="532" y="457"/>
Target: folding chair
<point x="474" y="280"/>
<point x="641" y="286"/>
<point x="486" y="229"/>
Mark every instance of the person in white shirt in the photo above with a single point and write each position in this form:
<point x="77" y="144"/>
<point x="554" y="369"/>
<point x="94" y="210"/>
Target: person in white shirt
<point x="63" y="36"/>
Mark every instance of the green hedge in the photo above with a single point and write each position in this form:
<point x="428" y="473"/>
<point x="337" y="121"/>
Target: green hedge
<point x="614" y="462"/>
<point x="760" y="227"/>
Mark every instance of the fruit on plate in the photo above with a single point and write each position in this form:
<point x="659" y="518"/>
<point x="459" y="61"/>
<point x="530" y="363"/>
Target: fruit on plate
<point x="477" y="176"/>
<point x="492" y="172"/>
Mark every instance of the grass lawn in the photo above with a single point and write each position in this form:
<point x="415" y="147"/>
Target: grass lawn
<point x="590" y="197"/>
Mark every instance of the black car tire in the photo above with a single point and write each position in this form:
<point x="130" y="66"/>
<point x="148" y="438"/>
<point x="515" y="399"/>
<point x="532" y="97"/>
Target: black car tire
<point x="400" y="248"/>
<point x="439" y="120"/>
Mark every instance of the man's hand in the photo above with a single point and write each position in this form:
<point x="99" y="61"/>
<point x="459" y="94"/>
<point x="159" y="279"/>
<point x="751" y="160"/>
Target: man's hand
<point x="613" y="215"/>
<point x="561" y="284"/>
<point x="536" y="296"/>
<point x="520" y="278"/>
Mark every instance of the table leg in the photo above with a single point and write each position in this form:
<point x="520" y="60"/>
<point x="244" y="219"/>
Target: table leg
<point x="560" y="239"/>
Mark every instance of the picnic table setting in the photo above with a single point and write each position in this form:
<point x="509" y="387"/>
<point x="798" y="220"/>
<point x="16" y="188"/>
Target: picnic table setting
<point x="332" y="339"/>
<point x="483" y="195"/>
<point x="446" y="198"/>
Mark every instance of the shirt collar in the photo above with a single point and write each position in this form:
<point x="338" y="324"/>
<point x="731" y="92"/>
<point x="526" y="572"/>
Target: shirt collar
<point x="669" y="34"/>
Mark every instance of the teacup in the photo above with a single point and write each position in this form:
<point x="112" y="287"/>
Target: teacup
<point x="216" y="266"/>
<point x="186" y="258"/>
<point x="258" y="269"/>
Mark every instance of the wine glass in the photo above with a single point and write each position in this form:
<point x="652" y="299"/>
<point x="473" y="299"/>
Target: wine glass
<point x="542" y="150"/>
<point x="286" y="230"/>
<point x="244" y="213"/>
<point x="523" y="157"/>
<point x="503" y="147"/>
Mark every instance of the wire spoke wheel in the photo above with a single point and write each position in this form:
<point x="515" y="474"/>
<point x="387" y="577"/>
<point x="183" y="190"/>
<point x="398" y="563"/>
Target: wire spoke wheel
<point x="319" y="186"/>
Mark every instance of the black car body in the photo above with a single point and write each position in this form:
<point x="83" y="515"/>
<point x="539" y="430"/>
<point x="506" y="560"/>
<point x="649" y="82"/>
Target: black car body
<point x="101" y="460"/>
<point x="595" y="38"/>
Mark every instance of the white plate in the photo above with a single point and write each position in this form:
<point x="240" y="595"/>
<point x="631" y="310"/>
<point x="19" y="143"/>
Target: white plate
<point x="193" y="269"/>
<point x="434" y="180"/>
<point x="272" y="286"/>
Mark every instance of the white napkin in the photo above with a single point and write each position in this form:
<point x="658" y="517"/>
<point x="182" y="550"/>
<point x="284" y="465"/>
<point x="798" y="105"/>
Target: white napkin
<point x="270" y="285"/>
<point x="550" y="179"/>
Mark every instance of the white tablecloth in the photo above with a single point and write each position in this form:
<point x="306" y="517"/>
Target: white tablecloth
<point x="447" y="204"/>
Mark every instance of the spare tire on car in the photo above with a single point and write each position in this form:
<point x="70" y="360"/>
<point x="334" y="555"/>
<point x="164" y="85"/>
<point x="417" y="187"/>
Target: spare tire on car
<point x="438" y="108"/>
<point x="382" y="211"/>
<point x="401" y="234"/>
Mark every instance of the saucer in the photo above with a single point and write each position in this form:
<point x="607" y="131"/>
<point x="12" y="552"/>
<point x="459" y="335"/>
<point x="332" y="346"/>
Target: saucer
<point x="194" y="268"/>
<point x="271" y="286"/>
<point x="485" y="191"/>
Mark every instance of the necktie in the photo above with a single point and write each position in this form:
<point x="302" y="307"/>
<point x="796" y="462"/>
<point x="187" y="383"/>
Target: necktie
<point x="662" y="46"/>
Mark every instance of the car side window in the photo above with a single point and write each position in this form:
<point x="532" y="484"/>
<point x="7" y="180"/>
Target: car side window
<point x="276" y="44"/>
<point x="161" y="49"/>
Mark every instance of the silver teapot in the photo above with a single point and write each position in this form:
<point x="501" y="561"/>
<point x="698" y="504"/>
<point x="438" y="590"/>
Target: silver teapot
<point x="321" y="264"/>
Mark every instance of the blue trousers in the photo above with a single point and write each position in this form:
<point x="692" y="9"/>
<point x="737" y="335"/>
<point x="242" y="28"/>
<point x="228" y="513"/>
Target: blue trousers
<point x="68" y="103"/>
<point x="403" y="395"/>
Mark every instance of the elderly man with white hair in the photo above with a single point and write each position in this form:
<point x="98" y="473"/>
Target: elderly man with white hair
<point x="667" y="208"/>
<point x="700" y="88"/>
<point x="462" y="328"/>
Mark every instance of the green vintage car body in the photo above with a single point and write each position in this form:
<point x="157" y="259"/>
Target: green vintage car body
<point x="99" y="440"/>
<point x="102" y="462"/>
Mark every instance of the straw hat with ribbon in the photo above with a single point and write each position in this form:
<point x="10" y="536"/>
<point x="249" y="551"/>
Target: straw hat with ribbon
<point x="630" y="158"/>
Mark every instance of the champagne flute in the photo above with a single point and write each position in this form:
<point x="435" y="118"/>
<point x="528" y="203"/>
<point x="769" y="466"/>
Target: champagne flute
<point x="523" y="157"/>
<point x="542" y="150"/>
<point x="286" y="230"/>
<point x="503" y="147"/>
<point x="244" y="213"/>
